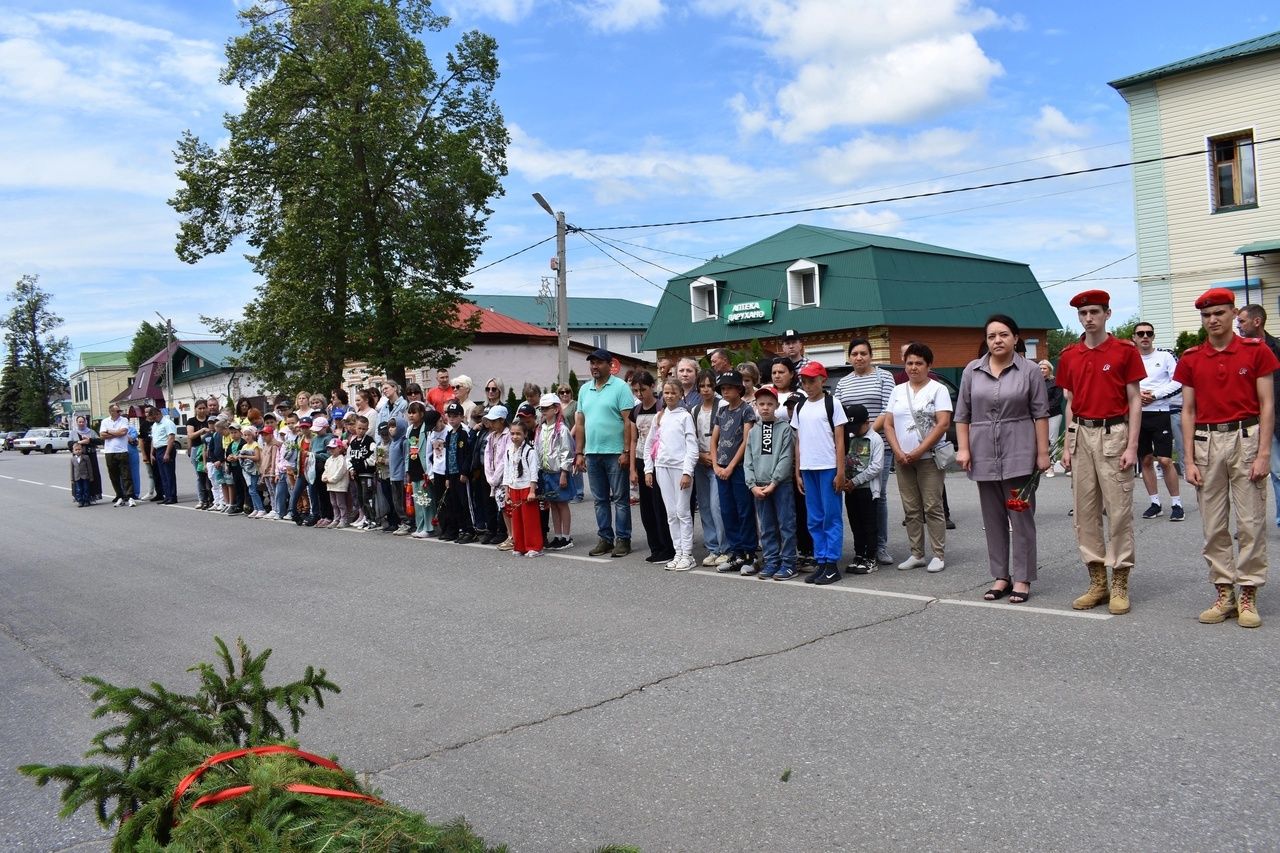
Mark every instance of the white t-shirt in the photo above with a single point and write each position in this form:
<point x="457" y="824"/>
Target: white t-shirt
<point x="929" y="400"/>
<point x="117" y="444"/>
<point x="814" y="433"/>
<point x="1160" y="366"/>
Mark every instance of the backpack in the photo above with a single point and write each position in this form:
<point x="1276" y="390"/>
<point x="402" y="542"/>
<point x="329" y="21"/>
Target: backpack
<point x="831" y="408"/>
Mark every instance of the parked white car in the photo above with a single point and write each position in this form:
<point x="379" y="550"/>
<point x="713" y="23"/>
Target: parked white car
<point x="44" y="439"/>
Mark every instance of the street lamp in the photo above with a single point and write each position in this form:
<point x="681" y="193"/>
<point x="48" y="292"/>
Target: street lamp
<point x="562" y="298"/>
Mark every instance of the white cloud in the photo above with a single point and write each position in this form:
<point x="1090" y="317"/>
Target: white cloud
<point x="864" y="63"/>
<point x="613" y="16"/>
<point x="653" y="171"/>
<point x="877" y="221"/>
<point x="507" y="11"/>
<point x="891" y="156"/>
<point x="1058" y="140"/>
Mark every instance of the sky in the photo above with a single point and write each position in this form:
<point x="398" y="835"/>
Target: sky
<point x="621" y="113"/>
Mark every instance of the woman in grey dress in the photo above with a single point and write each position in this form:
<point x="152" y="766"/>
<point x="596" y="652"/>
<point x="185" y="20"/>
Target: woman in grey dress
<point x="1002" y="439"/>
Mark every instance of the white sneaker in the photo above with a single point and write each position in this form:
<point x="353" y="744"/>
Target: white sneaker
<point x="671" y="564"/>
<point x="131" y="502"/>
<point x="149" y="495"/>
<point x="936" y="565"/>
<point x="709" y="560"/>
<point x="118" y="502"/>
<point x="722" y="559"/>
<point x="911" y="563"/>
<point x="403" y="530"/>
<point x="534" y="554"/>
<point x="683" y="563"/>
<point x="419" y="534"/>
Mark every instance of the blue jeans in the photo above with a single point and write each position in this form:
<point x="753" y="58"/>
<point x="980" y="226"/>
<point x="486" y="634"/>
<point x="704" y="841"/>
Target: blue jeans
<point x="708" y="494"/>
<point x="253" y="492"/>
<point x="80" y="491"/>
<point x="282" y="503"/>
<point x="610" y="485"/>
<point x="166" y="474"/>
<point x="826" y="515"/>
<point x="737" y="513"/>
<point x="1275" y="473"/>
<point x="777" y="515"/>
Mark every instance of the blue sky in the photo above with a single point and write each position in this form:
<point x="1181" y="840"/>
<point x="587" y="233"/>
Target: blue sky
<point x="622" y="112"/>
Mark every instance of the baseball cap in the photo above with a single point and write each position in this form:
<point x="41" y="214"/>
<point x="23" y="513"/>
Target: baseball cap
<point x="320" y="423"/>
<point x="790" y="335"/>
<point x="496" y="413"/>
<point x="813" y="368"/>
<point x="732" y="377"/>
<point x="454" y="408"/>
<point x="527" y="410"/>
<point x="384" y="428"/>
<point x="856" y="413"/>
<point x="304" y="422"/>
<point x="766" y="391"/>
<point x="548" y="400"/>
<point x="599" y="355"/>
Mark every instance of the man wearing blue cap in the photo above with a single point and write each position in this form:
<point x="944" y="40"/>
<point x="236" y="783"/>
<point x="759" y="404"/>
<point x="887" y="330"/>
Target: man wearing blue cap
<point x="602" y="432"/>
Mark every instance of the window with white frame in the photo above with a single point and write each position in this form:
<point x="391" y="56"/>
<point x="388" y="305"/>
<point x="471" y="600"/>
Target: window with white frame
<point x="185" y="365"/>
<point x="803" y="285"/>
<point x="1233" y="182"/>
<point x="600" y="341"/>
<point x="704" y="299"/>
<point x="637" y="343"/>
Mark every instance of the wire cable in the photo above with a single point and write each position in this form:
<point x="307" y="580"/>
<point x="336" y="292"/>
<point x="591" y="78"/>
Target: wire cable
<point x="913" y="196"/>
<point x="510" y="256"/>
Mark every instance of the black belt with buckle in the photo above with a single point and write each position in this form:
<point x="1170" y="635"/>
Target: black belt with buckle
<point x="1229" y="426"/>
<point x="1101" y="422"/>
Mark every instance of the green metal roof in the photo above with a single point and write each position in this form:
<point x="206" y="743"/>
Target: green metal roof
<point x="214" y="353"/>
<point x="1262" y="247"/>
<point x="864" y="280"/>
<point x="585" y="312"/>
<point x="1221" y="56"/>
<point x="104" y="359"/>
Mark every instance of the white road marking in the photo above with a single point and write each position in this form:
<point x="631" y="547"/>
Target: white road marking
<point x="5" y="477"/>
<point x="1024" y="608"/>
<point x="61" y="488"/>
<point x="855" y="590"/>
<point x="31" y="482"/>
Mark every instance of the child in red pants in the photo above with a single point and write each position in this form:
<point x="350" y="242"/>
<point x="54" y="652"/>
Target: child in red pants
<point x="521" y="479"/>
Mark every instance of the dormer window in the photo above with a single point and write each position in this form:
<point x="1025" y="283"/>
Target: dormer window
<point x="704" y="299"/>
<point x="803" y="285"/>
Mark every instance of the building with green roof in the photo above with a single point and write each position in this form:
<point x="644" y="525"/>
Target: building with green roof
<point x="98" y="377"/>
<point x="618" y="325"/>
<point x="830" y="285"/>
<point x="1204" y="220"/>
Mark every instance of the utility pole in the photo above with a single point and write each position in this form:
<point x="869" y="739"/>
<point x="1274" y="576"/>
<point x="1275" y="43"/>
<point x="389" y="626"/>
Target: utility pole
<point x="168" y="364"/>
<point x="562" y="296"/>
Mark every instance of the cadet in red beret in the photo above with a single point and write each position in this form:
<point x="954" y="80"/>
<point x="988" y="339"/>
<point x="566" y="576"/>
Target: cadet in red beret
<point x="1099" y="375"/>
<point x="1228" y="401"/>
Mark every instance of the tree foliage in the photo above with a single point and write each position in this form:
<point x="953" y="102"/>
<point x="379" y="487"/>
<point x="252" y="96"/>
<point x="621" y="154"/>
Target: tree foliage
<point x="35" y="364"/>
<point x="359" y="174"/>
<point x="1186" y="340"/>
<point x="1060" y="339"/>
<point x="147" y="341"/>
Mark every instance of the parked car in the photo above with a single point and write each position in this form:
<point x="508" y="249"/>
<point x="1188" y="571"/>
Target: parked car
<point x="44" y="439"/>
<point x="8" y="438"/>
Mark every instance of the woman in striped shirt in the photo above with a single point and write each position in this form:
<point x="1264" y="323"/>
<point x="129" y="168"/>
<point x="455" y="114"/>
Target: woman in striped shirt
<point x="869" y="386"/>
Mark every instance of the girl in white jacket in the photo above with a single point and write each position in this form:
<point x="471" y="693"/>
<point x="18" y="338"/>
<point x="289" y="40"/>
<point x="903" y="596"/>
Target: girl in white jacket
<point x="520" y="476"/>
<point x="672" y="450"/>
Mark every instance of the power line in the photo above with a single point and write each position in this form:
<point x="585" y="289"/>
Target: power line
<point x="913" y="196"/>
<point x="512" y="255"/>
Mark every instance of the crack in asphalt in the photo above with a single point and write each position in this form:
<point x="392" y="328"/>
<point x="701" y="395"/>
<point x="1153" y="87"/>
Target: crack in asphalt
<point x="45" y="662"/>
<point x="632" y="691"/>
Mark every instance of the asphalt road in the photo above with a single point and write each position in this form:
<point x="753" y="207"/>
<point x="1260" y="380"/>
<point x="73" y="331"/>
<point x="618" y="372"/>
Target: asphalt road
<point x="567" y="702"/>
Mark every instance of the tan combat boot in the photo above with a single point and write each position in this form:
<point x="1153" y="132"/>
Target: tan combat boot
<point x="1119" y="591"/>
<point x="1249" y="617"/>
<point x="1224" y="608"/>
<point x="1097" y="593"/>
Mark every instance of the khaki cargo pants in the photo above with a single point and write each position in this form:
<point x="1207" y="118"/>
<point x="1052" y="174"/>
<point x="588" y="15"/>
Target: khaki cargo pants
<point x="1099" y="482"/>
<point x="1224" y="459"/>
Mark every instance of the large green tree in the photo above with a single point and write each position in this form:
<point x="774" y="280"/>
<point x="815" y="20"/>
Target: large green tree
<point x="147" y="341"/>
<point x="359" y="174"/>
<point x="11" y="386"/>
<point x="36" y="353"/>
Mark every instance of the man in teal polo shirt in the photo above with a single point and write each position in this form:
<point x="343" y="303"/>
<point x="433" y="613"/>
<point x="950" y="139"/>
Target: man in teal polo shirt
<point x="603" y="433"/>
<point x="164" y="454"/>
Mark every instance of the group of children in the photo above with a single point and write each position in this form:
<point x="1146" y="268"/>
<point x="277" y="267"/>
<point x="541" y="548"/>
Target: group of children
<point x="506" y="480"/>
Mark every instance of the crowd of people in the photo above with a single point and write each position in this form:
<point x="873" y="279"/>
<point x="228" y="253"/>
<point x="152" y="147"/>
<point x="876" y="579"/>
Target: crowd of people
<point x="772" y="462"/>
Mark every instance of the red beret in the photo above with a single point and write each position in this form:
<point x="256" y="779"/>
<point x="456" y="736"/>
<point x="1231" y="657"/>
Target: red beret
<point x="1215" y="296"/>
<point x="1091" y="297"/>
